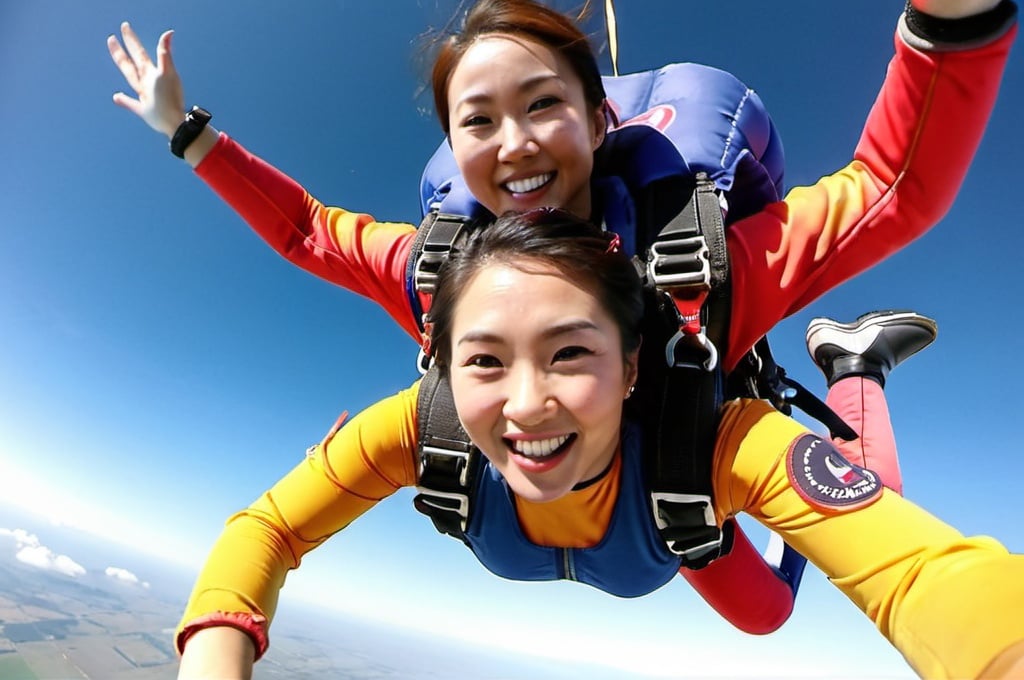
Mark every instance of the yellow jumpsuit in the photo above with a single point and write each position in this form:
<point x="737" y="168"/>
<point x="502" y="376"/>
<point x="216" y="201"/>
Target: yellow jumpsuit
<point x="950" y="604"/>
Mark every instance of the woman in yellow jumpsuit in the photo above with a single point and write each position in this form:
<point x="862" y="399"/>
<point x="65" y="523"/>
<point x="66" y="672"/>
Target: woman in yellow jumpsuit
<point x="540" y="365"/>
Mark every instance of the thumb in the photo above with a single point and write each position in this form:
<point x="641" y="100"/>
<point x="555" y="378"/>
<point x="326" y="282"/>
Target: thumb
<point x="164" y="60"/>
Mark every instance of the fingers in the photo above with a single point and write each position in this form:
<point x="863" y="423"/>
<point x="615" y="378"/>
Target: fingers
<point x="134" y="46"/>
<point x="164" y="61"/>
<point x="124" y="63"/>
<point x="126" y="102"/>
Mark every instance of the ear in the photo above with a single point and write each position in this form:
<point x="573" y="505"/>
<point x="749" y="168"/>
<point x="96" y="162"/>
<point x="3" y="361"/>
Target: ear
<point x="426" y="339"/>
<point x="632" y="371"/>
<point x="600" y="123"/>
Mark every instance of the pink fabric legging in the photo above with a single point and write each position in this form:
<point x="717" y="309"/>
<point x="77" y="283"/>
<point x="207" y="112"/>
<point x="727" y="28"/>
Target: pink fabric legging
<point x="757" y="601"/>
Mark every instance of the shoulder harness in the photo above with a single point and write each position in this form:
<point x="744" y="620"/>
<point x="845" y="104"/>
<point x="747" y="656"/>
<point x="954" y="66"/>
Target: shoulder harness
<point x="682" y="198"/>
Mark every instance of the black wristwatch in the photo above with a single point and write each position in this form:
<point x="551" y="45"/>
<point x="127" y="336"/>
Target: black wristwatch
<point x="195" y="121"/>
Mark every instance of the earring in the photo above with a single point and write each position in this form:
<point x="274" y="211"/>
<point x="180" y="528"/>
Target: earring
<point x="629" y="392"/>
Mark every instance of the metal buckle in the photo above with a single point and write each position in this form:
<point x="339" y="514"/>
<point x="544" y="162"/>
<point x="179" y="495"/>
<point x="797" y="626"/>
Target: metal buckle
<point x="677" y="263"/>
<point x="438" y="452"/>
<point x="462" y="509"/>
<point x="702" y="341"/>
<point x="427" y="265"/>
<point x="697" y="550"/>
<point x="687" y="499"/>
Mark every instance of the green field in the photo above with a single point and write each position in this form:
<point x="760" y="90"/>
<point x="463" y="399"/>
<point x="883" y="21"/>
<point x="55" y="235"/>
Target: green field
<point x="13" y="667"/>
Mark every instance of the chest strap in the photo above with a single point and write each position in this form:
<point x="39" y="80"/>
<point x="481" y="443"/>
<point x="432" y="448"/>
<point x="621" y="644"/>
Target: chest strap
<point x="434" y="240"/>
<point x="688" y="271"/>
<point x="449" y="463"/>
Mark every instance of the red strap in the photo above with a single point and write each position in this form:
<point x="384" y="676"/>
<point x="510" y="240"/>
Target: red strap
<point x="689" y="310"/>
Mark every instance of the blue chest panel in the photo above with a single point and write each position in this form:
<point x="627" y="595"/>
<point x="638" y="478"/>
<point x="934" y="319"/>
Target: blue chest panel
<point x="631" y="560"/>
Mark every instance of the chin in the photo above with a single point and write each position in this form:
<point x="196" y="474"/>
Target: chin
<point x="534" y="493"/>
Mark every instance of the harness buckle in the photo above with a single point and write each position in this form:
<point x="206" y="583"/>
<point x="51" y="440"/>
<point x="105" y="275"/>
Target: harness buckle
<point x="680" y="263"/>
<point x="691" y="341"/>
<point x="687" y="521"/>
<point x="446" y="501"/>
<point x="427" y="266"/>
<point x="441" y="232"/>
<point x="445" y="460"/>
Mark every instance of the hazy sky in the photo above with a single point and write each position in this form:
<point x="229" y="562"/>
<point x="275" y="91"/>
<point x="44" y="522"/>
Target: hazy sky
<point x="160" y="366"/>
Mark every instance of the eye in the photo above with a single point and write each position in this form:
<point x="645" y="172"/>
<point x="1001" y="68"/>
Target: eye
<point x="476" y="121"/>
<point x="570" y="353"/>
<point x="483" y="361"/>
<point x="544" y="103"/>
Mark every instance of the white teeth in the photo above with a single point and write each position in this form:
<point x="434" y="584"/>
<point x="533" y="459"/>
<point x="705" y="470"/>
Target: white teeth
<point x="521" y="186"/>
<point x="540" y="447"/>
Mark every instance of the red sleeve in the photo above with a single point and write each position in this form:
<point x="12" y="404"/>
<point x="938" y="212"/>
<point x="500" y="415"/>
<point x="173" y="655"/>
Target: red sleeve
<point x="349" y="249"/>
<point x="917" y="144"/>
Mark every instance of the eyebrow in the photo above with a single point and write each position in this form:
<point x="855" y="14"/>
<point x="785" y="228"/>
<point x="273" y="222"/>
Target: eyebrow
<point x="530" y="83"/>
<point x="548" y="333"/>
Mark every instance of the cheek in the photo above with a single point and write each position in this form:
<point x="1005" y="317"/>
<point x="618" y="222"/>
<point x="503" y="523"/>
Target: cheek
<point x="595" y="399"/>
<point x="474" y="405"/>
<point x="472" y="159"/>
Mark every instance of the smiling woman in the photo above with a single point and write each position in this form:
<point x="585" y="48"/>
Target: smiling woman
<point x="525" y="131"/>
<point x="539" y="365"/>
<point x="535" y="356"/>
<point x="526" y="146"/>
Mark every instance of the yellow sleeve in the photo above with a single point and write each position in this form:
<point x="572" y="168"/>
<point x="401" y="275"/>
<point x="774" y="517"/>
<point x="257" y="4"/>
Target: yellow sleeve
<point x="948" y="603"/>
<point x="365" y="461"/>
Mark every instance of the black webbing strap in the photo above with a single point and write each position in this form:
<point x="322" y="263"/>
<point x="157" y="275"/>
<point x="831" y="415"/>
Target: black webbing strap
<point x="771" y="382"/>
<point x="688" y="261"/>
<point x="410" y="267"/>
<point x="434" y="241"/>
<point x="689" y="256"/>
<point x="678" y="404"/>
<point x="448" y="461"/>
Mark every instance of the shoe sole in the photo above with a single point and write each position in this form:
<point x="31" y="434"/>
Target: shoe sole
<point x="856" y="337"/>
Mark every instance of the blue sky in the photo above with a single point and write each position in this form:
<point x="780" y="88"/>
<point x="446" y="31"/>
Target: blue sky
<point x="160" y="366"/>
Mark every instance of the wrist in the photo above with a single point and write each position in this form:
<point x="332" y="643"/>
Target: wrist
<point x="169" y="127"/>
<point x="188" y="130"/>
<point x="939" y="27"/>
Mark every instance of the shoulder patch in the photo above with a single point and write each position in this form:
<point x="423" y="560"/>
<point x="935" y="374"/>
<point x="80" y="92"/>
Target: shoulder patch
<point x="826" y="480"/>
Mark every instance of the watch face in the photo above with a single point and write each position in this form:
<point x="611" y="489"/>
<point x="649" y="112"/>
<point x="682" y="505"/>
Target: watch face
<point x="199" y="115"/>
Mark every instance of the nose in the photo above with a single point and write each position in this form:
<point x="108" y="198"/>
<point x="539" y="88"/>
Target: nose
<point x="529" y="400"/>
<point x="517" y="141"/>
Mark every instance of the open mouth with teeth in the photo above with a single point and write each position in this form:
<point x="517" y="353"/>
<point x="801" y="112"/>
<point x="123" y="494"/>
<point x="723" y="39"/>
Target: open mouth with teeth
<point x="525" y="186"/>
<point x="540" y="454"/>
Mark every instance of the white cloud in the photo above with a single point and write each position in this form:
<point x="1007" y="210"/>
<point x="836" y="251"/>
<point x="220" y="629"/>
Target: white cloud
<point x="119" y="574"/>
<point x="31" y="552"/>
<point x="65" y="507"/>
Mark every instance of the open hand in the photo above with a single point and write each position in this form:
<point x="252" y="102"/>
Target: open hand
<point x="159" y="97"/>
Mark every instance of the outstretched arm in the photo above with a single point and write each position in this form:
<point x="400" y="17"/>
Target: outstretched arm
<point x="220" y="652"/>
<point x="159" y="96"/>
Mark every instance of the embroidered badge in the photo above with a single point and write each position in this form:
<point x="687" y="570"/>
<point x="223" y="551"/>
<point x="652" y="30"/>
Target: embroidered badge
<point x="826" y="480"/>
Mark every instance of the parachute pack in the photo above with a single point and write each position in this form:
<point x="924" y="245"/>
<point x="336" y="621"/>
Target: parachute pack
<point x="690" y="150"/>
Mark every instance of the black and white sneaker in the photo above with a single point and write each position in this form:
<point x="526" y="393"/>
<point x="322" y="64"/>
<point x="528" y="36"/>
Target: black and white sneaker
<point x="871" y="346"/>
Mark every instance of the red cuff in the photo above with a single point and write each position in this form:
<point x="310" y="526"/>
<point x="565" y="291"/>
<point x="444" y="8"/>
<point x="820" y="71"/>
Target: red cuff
<point x="253" y="625"/>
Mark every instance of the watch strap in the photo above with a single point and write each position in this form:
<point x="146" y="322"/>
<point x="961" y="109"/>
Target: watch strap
<point x="195" y="121"/>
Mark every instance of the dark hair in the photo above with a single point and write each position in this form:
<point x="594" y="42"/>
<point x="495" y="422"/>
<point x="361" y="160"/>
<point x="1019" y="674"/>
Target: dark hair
<point x="570" y="244"/>
<point x="524" y="18"/>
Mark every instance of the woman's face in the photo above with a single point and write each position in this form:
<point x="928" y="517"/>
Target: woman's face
<point x="521" y="130"/>
<point x="538" y="376"/>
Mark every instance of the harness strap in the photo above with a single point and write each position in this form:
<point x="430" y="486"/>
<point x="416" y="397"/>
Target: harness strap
<point x="689" y="258"/>
<point x="449" y="463"/>
<point x="681" y="398"/>
<point x="440" y="238"/>
<point x="434" y="241"/>
<point x="688" y="267"/>
<point x="613" y="35"/>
